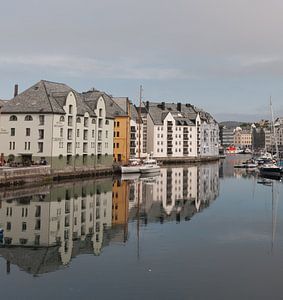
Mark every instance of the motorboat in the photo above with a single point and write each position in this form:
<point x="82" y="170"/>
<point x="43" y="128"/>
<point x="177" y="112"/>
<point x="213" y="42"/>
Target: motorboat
<point x="133" y="167"/>
<point x="249" y="164"/>
<point x="271" y="170"/>
<point x="149" y="166"/>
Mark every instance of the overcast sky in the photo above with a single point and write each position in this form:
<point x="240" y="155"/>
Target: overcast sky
<point x="225" y="56"/>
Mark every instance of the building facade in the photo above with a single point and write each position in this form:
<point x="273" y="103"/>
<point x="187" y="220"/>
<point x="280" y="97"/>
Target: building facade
<point x="52" y="123"/>
<point x="180" y="130"/>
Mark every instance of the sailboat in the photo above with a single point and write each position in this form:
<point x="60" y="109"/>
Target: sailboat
<point x="149" y="165"/>
<point x="271" y="169"/>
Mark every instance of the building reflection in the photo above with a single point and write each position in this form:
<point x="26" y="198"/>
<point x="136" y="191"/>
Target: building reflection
<point x="226" y="167"/>
<point x="176" y="194"/>
<point x="45" y="227"/>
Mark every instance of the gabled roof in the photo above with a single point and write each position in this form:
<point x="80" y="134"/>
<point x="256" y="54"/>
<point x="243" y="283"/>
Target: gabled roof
<point x="112" y="109"/>
<point x="184" y="114"/>
<point x="3" y="102"/>
<point x="45" y="97"/>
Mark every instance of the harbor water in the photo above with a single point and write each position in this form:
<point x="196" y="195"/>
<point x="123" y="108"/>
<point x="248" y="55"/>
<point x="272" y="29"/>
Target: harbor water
<point x="205" y="231"/>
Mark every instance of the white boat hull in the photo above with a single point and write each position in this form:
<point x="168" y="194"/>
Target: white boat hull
<point x="149" y="169"/>
<point x="130" y="169"/>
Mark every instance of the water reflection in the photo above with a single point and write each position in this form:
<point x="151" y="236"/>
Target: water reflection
<point x="45" y="227"/>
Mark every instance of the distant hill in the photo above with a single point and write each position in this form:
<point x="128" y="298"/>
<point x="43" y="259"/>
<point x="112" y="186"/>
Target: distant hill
<point x="233" y="124"/>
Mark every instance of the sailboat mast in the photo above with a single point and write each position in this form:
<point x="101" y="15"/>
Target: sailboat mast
<point x="139" y="128"/>
<point x="273" y="129"/>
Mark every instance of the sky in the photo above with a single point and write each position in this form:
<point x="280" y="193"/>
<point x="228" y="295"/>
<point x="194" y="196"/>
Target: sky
<point x="225" y="56"/>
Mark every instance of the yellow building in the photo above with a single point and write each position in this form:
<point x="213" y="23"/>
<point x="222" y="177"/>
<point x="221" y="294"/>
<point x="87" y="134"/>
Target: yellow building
<point x="242" y="138"/>
<point x="121" y="136"/>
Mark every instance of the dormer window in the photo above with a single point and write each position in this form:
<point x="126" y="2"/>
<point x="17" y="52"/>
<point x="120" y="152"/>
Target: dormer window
<point x="70" y="109"/>
<point x="62" y="119"/>
<point x="28" y="118"/>
<point x="13" y="118"/>
<point x="78" y="120"/>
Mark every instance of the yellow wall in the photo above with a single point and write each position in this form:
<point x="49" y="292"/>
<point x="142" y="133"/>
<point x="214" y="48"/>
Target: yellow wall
<point x="120" y="202"/>
<point x="121" y="139"/>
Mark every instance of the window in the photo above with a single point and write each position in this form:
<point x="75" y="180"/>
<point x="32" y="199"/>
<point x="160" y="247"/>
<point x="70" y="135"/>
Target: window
<point x="61" y="145"/>
<point x="24" y="226"/>
<point x="85" y="134"/>
<point x="106" y="133"/>
<point x="70" y="121"/>
<point x="40" y="147"/>
<point x="69" y="147"/>
<point x="118" y="124"/>
<point x="100" y="123"/>
<point x="117" y="145"/>
<point x="13" y="131"/>
<point x="27" y="131"/>
<point x="100" y="112"/>
<point x="27" y="145"/>
<point x="70" y="109"/>
<point x="92" y="133"/>
<point x="41" y="134"/>
<point x="62" y="119"/>
<point x="99" y="135"/>
<point x="28" y="118"/>
<point x="70" y="134"/>
<point x="8" y="226"/>
<point x="12" y="145"/>
<point x="61" y="132"/>
<point x="85" y="121"/>
<point x="106" y="122"/>
<point x="41" y="119"/>
<point x="93" y="121"/>
<point x="78" y="120"/>
<point x="118" y="134"/>
<point x="13" y="118"/>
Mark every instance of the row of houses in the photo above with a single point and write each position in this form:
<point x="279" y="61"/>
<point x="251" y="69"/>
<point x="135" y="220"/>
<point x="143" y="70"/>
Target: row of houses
<point x="256" y="136"/>
<point x="51" y="123"/>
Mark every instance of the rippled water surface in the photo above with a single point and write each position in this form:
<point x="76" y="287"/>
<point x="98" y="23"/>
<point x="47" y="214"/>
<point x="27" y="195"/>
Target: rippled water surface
<point x="193" y="232"/>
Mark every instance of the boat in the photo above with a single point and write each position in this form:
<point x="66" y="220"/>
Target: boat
<point x="149" y="166"/>
<point x="271" y="170"/>
<point x="133" y="167"/>
<point x="249" y="164"/>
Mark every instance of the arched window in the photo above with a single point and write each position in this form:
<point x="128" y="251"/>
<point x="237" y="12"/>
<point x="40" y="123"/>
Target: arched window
<point x="28" y="118"/>
<point x="78" y="120"/>
<point x="62" y="119"/>
<point x="13" y="118"/>
<point x="93" y="121"/>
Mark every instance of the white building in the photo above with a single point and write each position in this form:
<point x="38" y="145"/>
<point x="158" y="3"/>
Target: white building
<point x="51" y="122"/>
<point x="180" y="130"/>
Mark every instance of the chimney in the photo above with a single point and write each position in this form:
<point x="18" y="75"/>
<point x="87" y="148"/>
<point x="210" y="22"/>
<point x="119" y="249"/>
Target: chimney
<point x="179" y="106"/>
<point x="147" y="105"/>
<point x="16" y="90"/>
<point x="163" y="105"/>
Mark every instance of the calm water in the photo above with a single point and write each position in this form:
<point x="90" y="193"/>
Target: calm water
<point x="194" y="232"/>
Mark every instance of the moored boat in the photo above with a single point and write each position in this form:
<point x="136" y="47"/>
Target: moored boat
<point x="133" y="167"/>
<point x="149" y="166"/>
<point x="271" y="170"/>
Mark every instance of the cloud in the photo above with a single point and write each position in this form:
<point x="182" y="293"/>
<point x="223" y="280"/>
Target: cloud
<point x="82" y="66"/>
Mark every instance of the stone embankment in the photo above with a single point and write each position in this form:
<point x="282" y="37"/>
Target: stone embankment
<point x="43" y="174"/>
